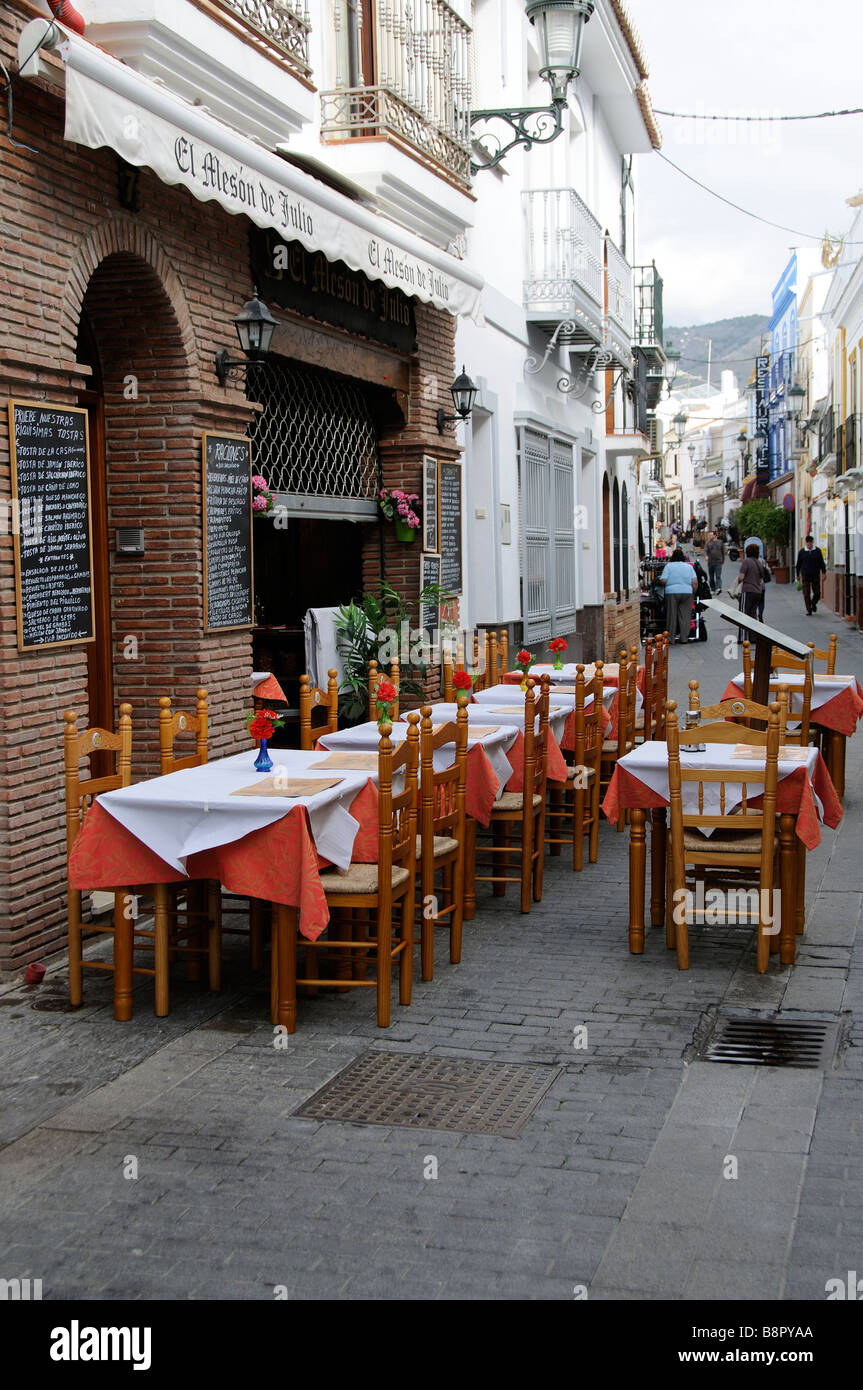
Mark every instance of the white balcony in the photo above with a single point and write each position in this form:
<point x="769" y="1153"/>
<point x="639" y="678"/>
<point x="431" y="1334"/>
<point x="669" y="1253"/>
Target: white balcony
<point x="245" y="61"/>
<point x="400" y="112"/>
<point x="576" y="275"/>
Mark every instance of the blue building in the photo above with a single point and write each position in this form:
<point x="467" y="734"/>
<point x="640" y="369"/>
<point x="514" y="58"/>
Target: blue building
<point x="783" y="357"/>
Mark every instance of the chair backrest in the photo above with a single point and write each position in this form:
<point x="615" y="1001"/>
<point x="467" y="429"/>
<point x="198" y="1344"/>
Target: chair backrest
<point x="492" y="669"/>
<point x="744" y="710"/>
<point x="754" y="780"/>
<point x="651" y="663"/>
<point x="747" y="669"/>
<point x="442" y="792"/>
<point x="447" y="675"/>
<point x="535" y="740"/>
<point x="660" y="685"/>
<point x="80" y="793"/>
<point x="175" y="724"/>
<point x="503" y="653"/>
<point x="375" y="678"/>
<point x="829" y="656"/>
<point x="626" y="702"/>
<point x="590" y="724"/>
<point x="312" y="697"/>
<point x="783" y="661"/>
<point x="397" y="813"/>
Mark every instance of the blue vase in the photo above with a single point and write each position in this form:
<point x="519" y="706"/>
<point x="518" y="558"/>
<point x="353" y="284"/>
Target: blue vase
<point x="263" y="762"/>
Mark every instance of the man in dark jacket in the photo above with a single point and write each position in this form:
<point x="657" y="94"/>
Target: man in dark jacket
<point x="810" y="567"/>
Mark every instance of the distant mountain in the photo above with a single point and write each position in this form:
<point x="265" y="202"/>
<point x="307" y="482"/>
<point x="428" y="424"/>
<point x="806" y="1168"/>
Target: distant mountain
<point x="735" y="345"/>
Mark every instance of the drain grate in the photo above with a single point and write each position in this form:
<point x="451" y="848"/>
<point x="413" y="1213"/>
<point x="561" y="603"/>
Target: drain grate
<point x="422" y="1092"/>
<point x="771" y="1042"/>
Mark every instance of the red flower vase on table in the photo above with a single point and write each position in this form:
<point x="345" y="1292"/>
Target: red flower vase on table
<point x="386" y="696"/>
<point x="462" y="683"/>
<point x="558" y="645"/>
<point x="524" y="661"/>
<point x="262" y="726"/>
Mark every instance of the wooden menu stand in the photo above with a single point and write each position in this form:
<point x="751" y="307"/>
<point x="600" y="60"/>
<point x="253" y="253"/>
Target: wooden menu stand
<point x="764" y="639"/>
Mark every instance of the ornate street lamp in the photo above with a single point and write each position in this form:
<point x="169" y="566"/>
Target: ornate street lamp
<point x="463" y="394"/>
<point x="560" y="26"/>
<point x="255" y="326"/>
<point x="679" y="423"/>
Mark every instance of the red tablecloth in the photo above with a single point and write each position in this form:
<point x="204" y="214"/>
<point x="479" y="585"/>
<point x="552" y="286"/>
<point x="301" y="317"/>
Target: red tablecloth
<point x="793" y="797"/>
<point x="840" y="714"/>
<point x="556" y="763"/>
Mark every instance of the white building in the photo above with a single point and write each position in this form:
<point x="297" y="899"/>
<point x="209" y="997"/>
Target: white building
<point x="551" y="452"/>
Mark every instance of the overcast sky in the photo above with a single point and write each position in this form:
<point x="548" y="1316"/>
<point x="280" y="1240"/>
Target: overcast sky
<point x="765" y="57"/>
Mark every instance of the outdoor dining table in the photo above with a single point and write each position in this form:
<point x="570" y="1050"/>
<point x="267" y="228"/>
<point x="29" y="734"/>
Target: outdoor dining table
<point x="564" y="695"/>
<point x="227" y="822"/>
<point x="640" y="784"/>
<point x="837" y="707"/>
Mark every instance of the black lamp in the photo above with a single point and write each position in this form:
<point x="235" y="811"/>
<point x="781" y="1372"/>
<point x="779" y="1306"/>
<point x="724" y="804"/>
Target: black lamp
<point x="255" y="325"/>
<point x="463" y="394"/>
<point x="560" y="27"/>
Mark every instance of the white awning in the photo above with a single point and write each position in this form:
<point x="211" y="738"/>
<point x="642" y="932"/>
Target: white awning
<point x="110" y="104"/>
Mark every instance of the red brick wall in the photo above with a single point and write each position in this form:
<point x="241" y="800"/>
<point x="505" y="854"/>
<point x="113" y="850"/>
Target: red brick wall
<point x="161" y="288"/>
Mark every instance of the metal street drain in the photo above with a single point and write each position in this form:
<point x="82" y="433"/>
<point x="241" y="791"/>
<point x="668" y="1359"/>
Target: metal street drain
<point x="420" y="1092"/>
<point x="771" y="1042"/>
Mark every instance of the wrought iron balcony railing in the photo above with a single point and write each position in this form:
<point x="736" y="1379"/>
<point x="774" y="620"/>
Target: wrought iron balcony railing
<point x="421" y="94"/>
<point x="284" y="25"/>
<point x="649" y="327"/>
<point x="852" y="444"/>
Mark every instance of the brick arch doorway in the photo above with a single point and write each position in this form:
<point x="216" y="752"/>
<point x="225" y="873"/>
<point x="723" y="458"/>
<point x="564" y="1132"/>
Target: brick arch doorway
<point x="145" y="472"/>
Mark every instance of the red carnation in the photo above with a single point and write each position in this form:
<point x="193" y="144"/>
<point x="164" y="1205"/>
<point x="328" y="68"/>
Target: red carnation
<point x="524" y="658"/>
<point x="261" y="727"/>
<point x="386" y="693"/>
<point x="462" y="681"/>
<point x="558" y="644"/>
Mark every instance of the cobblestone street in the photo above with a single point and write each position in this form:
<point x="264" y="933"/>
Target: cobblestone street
<point x="615" y="1183"/>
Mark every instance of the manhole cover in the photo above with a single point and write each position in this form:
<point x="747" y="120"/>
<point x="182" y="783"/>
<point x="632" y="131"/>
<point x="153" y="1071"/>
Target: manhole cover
<point x="419" y="1092"/>
<point x="771" y="1042"/>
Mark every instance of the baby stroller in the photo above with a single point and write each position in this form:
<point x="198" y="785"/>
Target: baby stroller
<point x="652" y="599"/>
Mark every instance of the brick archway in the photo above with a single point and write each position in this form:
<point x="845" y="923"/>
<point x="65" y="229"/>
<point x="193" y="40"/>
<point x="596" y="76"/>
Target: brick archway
<point x="122" y="236"/>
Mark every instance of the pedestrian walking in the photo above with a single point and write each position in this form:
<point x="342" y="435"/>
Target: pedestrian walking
<point x="715" y="553"/>
<point x="752" y="582"/>
<point x="809" y="568"/>
<point x="680" y="583"/>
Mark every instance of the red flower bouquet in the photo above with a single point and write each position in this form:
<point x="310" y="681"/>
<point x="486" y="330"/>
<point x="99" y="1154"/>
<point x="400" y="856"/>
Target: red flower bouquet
<point x="524" y="661"/>
<point x="262" y="725"/>
<point x="386" y="696"/>
<point x="462" y="681"/>
<point x="558" y="645"/>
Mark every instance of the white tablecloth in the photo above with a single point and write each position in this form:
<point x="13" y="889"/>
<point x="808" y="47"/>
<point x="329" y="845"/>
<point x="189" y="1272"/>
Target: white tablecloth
<point x="506" y="714"/>
<point x="365" y="738"/>
<point x="824" y="688"/>
<point x="193" y="810"/>
<point x="649" y="763"/>
<point x="513" y="695"/>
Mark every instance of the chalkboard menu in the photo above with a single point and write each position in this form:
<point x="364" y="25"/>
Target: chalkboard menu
<point x="429" y="574"/>
<point x="449" y="526"/>
<point x="51" y="524"/>
<point x="227" y="462"/>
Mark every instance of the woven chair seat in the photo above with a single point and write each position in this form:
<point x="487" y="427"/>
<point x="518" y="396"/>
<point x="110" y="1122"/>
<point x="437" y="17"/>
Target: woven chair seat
<point x="359" y="878"/>
<point x="513" y="801"/>
<point x="442" y="845"/>
<point x="724" y="841"/>
<point x="571" y="771"/>
<point x="609" y="746"/>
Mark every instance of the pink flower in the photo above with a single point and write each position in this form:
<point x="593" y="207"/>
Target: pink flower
<point x="259" y="482"/>
<point x="259" y="504"/>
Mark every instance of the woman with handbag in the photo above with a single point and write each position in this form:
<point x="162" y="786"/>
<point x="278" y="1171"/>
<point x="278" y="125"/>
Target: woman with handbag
<point x="750" y="585"/>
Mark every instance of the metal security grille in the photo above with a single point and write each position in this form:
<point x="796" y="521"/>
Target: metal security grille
<point x="772" y="1042"/>
<point x="422" y="1092"/>
<point x="315" y="436"/>
<point x="548" y="535"/>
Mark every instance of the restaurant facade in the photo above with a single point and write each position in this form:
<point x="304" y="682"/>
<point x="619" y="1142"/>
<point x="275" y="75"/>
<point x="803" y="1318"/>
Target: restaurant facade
<point x="136" y="224"/>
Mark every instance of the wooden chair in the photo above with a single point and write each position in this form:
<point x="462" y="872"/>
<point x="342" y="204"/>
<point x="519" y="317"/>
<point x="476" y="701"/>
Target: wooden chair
<point x="441" y="841"/>
<point x="492" y="660"/>
<point x="615" y="749"/>
<point x="660" y="685"/>
<point x="503" y="653"/>
<point x="328" y="700"/>
<point x="829" y="656"/>
<point x="79" y="797"/>
<point x="577" y="800"/>
<point x="742" y="711"/>
<point x="195" y="909"/>
<point x="521" y="811"/>
<point x="379" y="892"/>
<point x="375" y="678"/>
<point x="446" y="677"/>
<point x="645" y="722"/>
<point x="743" y="843"/>
<point x="782" y="661"/>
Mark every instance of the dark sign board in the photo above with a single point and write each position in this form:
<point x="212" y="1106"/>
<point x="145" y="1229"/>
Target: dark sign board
<point x="754" y="629"/>
<point x="227" y="475"/>
<point x="449" y="526"/>
<point x="305" y="281"/>
<point x="429" y="574"/>
<point x="51" y="524"/>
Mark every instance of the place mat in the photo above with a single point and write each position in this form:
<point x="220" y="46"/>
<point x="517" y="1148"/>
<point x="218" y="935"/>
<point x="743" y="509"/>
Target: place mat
<point x="823" y="677"/>
<point x="482" y="730"/>
<point x="789" y="754"/>
<point x="349" y="762"/>
<point x="514" y="708"/>
<point x="563" y="689"/>
<point x="291" y="787"/>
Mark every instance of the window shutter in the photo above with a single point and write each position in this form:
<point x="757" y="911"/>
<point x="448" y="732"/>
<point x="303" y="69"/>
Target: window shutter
<point x="537" y="577"/>
<point x="624" y="539"/>
<point x="564" y="538"/>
